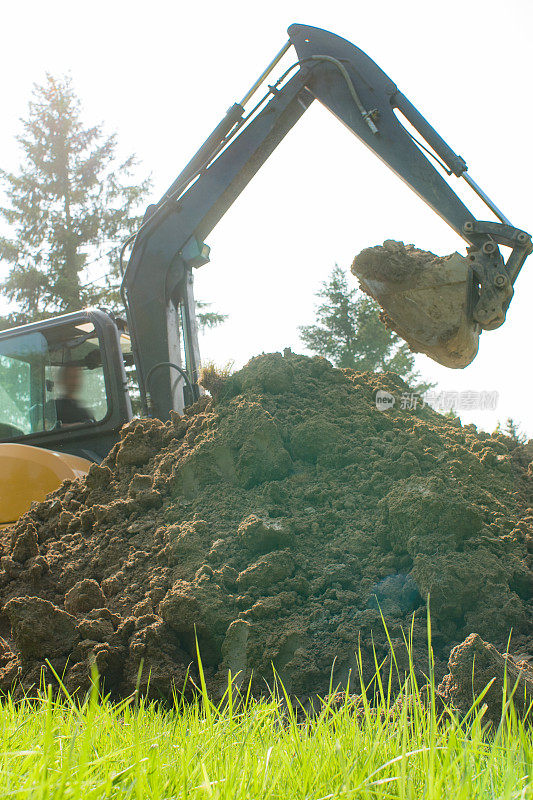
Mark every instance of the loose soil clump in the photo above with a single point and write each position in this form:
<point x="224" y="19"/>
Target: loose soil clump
<point x="424" y="298"/>
<point x="275" y="525"/>
<point x="477" y="672"/>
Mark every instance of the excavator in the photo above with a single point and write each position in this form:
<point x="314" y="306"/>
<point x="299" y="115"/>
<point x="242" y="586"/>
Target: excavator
<point x="48" y="435"/>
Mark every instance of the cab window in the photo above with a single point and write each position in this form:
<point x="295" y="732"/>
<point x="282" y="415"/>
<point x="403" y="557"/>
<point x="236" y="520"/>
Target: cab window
<point x="51" y="379"/>
<point x="23" y="407"/>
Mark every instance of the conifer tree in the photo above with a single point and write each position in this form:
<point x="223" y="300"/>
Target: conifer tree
<point x="70" y="205"/>
<point x="512" y="430"/>
<point x="349" y="332"/>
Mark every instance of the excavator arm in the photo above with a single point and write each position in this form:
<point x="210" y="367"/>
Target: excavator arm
<point x="157" y="285"/>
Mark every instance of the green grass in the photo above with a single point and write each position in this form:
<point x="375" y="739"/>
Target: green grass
<point x="57" y="748"/>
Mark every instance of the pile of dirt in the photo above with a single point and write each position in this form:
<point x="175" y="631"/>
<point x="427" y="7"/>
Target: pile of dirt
<point x="275" y="523"/>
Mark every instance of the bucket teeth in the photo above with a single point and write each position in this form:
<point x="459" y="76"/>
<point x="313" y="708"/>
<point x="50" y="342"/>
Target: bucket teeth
<point x="424" y="298"/>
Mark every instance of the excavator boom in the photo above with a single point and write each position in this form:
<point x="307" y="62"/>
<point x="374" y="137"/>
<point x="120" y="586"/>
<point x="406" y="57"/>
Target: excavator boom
<point x="157" y="286"/>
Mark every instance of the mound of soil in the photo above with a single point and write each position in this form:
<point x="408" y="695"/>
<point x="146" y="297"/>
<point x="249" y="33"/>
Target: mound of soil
<point x="275" y="524"/>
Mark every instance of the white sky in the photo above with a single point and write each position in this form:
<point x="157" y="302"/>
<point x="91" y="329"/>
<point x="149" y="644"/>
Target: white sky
<point x="162" y="74"/>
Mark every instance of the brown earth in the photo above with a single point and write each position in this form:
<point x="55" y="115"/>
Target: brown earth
<point x="480" y="675"/>
<point x="276" y="524"/>
<point x="424" y="298"/>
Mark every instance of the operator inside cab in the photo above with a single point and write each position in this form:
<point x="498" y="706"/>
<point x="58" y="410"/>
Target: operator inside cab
<point x="68" y="410"/>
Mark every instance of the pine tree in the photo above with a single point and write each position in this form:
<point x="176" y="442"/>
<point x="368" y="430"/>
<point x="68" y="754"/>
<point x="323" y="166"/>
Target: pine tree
<point x="350" y="333"/>
<point x="512" y="430"/>
<point x="70" y="204"/>
<point x="208" y="319"/>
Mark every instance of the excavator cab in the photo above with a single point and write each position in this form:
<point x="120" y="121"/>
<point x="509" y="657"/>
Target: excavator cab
<point x="52" y="379"/>
<point x="67" y="386"/>
<point x="63" y="383"/>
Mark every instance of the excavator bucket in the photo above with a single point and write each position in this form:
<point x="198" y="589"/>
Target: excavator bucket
<point x="425" y="299"/>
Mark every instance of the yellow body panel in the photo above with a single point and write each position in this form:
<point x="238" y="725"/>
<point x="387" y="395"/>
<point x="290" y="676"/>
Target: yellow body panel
<point x="30" y="473"/>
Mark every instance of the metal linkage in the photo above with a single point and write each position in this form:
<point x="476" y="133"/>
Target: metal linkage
<point x="480" y="193"/>
<point x="266" y="72"/>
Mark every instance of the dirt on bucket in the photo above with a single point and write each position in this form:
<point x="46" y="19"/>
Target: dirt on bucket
<point x="278" y="525"/>
<point x="427" y="299"/>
